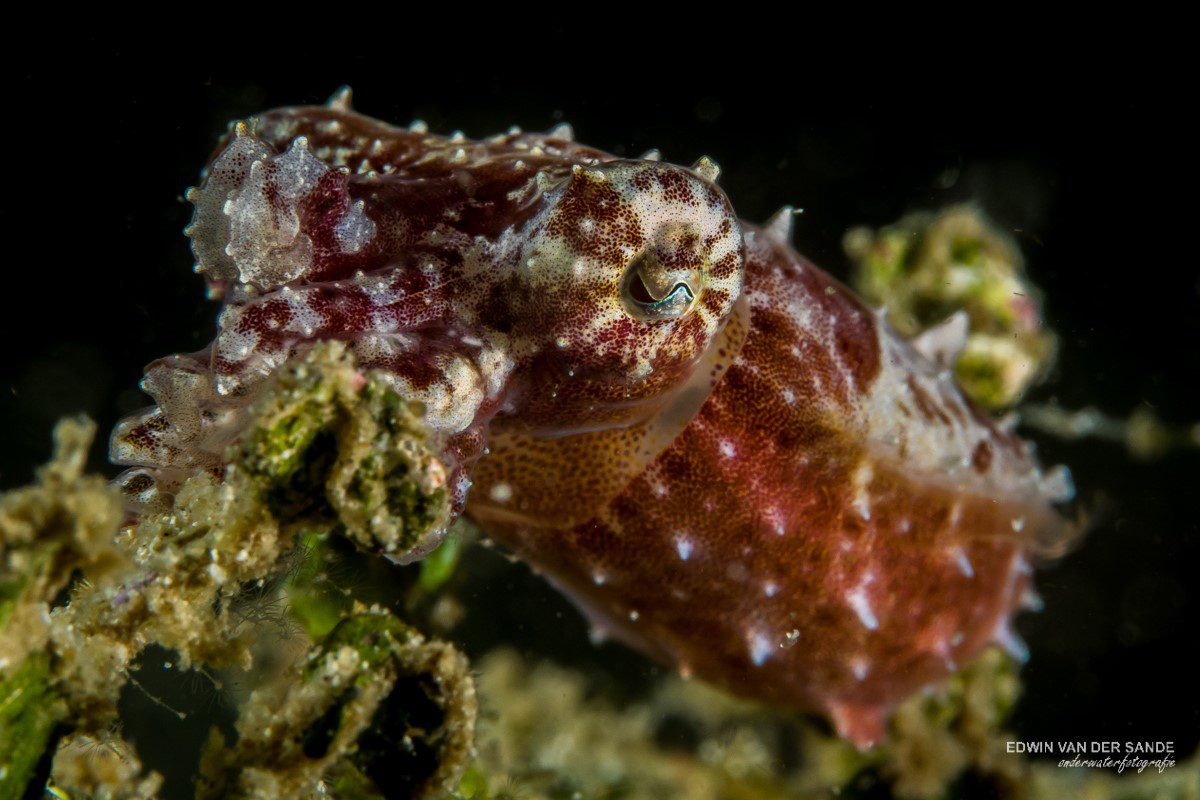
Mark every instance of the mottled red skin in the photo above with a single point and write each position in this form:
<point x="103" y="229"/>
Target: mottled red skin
<point x="742" y="577"/>
<point x="769" y="491"/>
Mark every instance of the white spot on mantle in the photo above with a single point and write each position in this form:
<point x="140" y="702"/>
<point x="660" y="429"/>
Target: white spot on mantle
<point x="760" y="648"/>
<point x="862" y="494"/>
<point x="858" y="600"/>
<point x="964" y="563"/>
<point x="776" y="520"/>
<point x="683" y="545"/>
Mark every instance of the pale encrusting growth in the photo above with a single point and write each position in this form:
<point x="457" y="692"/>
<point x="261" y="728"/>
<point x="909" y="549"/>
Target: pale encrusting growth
<point x="545" y="733"/>
<point x="327" y="451"/>
<point x="342" y="721"/>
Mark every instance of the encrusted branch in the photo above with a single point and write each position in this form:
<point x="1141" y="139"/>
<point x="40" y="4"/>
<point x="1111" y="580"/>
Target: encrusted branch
<point x="328" y="452"/>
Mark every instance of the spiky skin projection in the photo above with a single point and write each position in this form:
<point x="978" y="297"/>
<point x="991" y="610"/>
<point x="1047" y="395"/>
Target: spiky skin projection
<point x="716" y="450"/>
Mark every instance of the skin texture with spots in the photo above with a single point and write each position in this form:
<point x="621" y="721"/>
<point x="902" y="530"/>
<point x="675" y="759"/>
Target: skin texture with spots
<point x="717" y="451"/>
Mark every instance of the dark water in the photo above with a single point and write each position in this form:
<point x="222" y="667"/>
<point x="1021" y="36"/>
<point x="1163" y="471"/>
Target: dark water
<point x="1088" y="173"/>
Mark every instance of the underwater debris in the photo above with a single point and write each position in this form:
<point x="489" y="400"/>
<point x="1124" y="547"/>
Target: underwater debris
<point x="543" y="730"/>
<point x="373" y="711"/>
<point x="85" y="593"/>
<point x="1144" y="436"/>
<point x="100" y="767"/>
<point x="544" y="734"/>
<point x="328" y="433"/>
<point x="926" y="267"/>
<point x="51" y="532"/>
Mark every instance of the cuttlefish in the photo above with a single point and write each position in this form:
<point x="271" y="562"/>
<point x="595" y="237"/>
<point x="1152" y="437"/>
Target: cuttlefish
<point x="719" y="453"/>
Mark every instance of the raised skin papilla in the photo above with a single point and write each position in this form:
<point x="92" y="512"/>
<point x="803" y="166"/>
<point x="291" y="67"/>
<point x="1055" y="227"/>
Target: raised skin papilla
<point x="761" y="484"/>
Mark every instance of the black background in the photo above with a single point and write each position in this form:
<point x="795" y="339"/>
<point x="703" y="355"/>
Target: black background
<point x="1089" y="158"/>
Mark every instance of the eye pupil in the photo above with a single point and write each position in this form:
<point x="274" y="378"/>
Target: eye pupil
<point x="644" y="275"/>
<point x="638" y="290"/>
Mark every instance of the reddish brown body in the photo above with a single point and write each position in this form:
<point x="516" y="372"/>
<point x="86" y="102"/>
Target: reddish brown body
<point x="742" y="554"/>
<point x="723" y="456"/>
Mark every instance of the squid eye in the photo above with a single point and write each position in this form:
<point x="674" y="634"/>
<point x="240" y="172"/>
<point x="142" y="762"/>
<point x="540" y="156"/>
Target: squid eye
<point x="653" y="293"/>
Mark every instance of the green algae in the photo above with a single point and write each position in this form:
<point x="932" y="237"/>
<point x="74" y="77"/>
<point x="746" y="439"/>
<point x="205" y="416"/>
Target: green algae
<point x="438" y="567"/>
<point x="331" y="442"/>
<point x="30" y="710"/>
<point x="314" y="600"/>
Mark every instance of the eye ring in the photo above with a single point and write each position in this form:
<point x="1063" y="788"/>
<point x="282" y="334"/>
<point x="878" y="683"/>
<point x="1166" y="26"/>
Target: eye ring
<point x="640" y="299"/>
